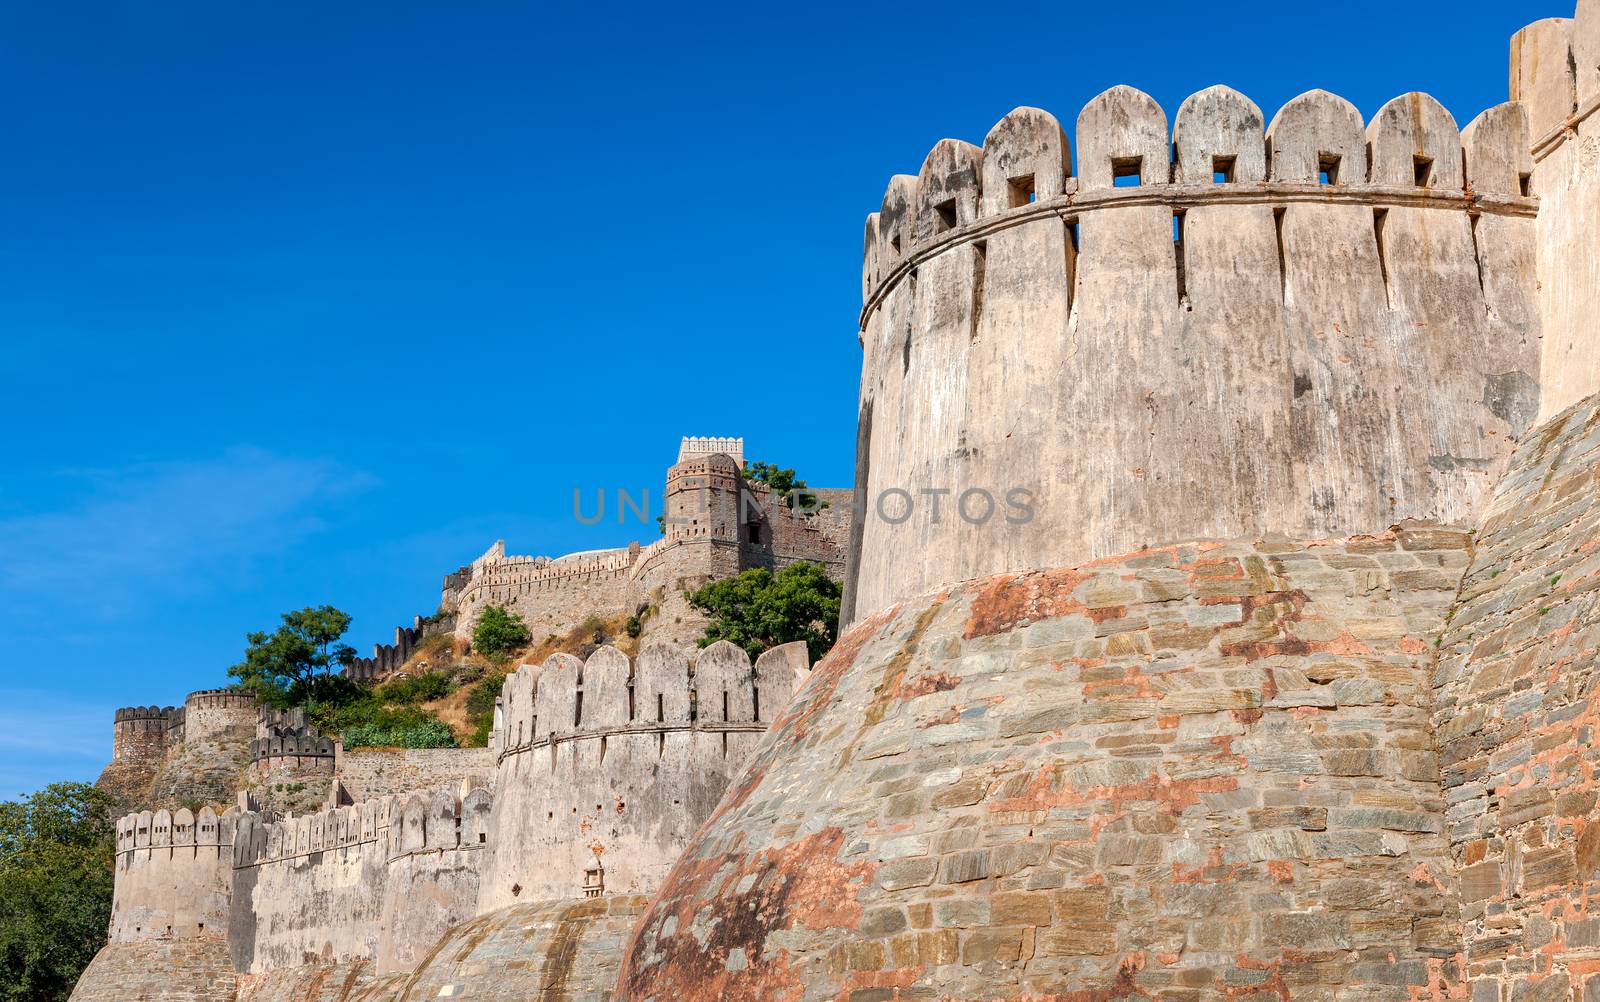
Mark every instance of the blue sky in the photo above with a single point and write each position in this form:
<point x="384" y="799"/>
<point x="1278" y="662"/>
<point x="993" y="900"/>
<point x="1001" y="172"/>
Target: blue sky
<point x="311" y="303"/>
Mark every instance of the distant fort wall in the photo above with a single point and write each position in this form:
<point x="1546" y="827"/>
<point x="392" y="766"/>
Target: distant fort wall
<point x="606" y="766"/>
<point x="1316" y="325"/>
<point x="716" y="524"/>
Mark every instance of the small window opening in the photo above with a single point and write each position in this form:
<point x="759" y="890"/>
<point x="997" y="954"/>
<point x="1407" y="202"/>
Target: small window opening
<point x="1222" y="169"/>
<point x="755" y="532"/>
<point x="1328" y="169"/>
<point x="661" y="708"/>
<point x="947" y="215"/>
<point x="1423" y="167"/>
<point x="1127" y="172"/>
<point x="1525" y="185"/>
<point x="1022" y="191"/>
<point x="725" y="717"/>
<point x="483" y="837"/>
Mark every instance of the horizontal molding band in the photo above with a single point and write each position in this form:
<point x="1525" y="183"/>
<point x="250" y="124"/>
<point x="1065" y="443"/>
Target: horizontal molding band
<point x="1073" y="204"/>
<point x="1550" y="141"/>
<point x="702" y="727"/>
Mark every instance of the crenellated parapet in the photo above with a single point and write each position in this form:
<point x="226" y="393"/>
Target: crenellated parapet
<point x="284" y="739"/>
<point x="390" y="875"/>
<point x="607" y="765"/>
<point x="1315" y="324"/>
<point x="1555" y="74"/>
<point x="172" y="874"/>
<point x="387" y="658"/>
<point x="219" y="715"/>
<point x="396" y="825"/>
<point x="141" y="735"/>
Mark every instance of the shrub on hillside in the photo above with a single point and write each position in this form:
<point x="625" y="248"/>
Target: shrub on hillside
<point x="416" y="689"/>
<point x="499" y="632"/>
<point x="420" y="734"/>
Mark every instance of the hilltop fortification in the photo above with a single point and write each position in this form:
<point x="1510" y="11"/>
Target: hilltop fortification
<point x="1284" y="687"/>
<point x="1224" y="621"/>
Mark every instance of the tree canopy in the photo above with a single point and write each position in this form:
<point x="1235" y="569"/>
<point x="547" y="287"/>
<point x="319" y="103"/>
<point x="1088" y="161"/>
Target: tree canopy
<point x="789" y="488"/>
<point x="297" y="662"/>
<point x="759" y="610"/>
<point x="499" y="632"/>
<point x="56" y="866"/>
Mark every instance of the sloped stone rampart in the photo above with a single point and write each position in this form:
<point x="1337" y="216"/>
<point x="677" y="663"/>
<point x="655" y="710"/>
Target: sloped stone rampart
<point x="1202" y="771"/>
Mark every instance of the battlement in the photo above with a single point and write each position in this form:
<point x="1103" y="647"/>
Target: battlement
<point x="160" y="829"/>
<point x="172" y="876"/>
<point x="141" y="735"/>
<point x="1237" y="314"/>
<point x="692" y="447"/>
<point x="130" y="714"/>
<point x="618" y="760"/>
<point x="567" y="699"/>
<point x="220" y="699"/>
<point x="1218" y="152"/>
<point x="399" y="825"/>
<point x="1555" y="74"/>
<point x="388" y="657"/>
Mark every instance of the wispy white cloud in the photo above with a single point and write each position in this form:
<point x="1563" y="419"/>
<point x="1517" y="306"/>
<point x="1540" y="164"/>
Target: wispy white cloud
<point x="130" y="535"/>
<point x="46" y="737"/>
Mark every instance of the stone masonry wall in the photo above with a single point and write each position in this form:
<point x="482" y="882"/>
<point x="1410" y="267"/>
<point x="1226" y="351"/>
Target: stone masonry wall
<point x="369" y="773"/>
<point x="1201" y="771"/>
<point x="555" y="951"/>
<point x="614" y="763"/>
<point x="173" y="871"/>
<point x="1517" y="714"/>
<point x="1231" y="346"/>
<point x="166" y="970"/>
<point x="378" y="881"/>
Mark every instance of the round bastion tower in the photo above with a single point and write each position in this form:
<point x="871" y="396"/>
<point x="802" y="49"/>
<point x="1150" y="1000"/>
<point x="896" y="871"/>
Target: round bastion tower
<point x="1171" y="732"/>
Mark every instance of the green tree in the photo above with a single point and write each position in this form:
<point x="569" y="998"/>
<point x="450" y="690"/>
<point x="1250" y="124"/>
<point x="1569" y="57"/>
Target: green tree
<point x="56" y="866"/>
<point x="789" y="488"/>
<point x="759" y="610"/>
<point x="296" y="663"/>
<point x="499" y="632"/>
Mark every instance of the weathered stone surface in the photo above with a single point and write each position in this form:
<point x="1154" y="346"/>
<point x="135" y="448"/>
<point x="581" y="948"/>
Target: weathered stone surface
<point x="1247" y="842"/>
<point x="193" y="969"/>
<point x="1518" y="671"/>
<point x="560" y="951"/>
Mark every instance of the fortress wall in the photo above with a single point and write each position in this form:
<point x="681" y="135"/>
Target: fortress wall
<point x="312" y="983"/>
<point x="368" y="773"/>
<point x="171" y="970"/>
<point x="139" y="733"/>
<point x="1553" y="72"/>
<point x="219" y="715"/>
<point x="554" y="950"/>
<point x="619" y="762"/>
<point x="1226" y="347"/>
<point x="1199" y="771"/>
<point x="1516" y="713"/>
<point x="378" y="881"/>
<point x="172" y="878"/>
<point x="388" y="657"/>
